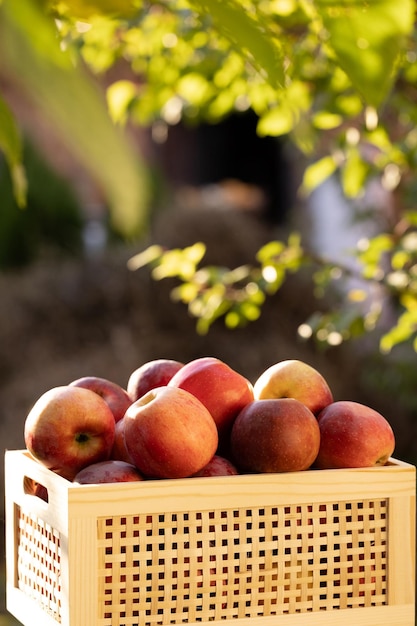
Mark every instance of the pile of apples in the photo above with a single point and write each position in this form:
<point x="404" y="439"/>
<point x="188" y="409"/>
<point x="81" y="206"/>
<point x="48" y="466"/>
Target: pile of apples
<point x="202" y="418"/>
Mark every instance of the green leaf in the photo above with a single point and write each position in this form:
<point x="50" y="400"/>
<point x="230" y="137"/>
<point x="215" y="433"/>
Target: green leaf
<point x="194" y="88"/>
<point x="233" y="319"/>
<point x="354" y="173"/>
<point x="266" y="253"/>
<point x="278" y="121"/>
<point x="146" y="257"/>
<point x="178" y="262"/>
<point x="76" y="107"/>
<point x="12" y="147"/>
<point x="236" y="24"/>
<point x="120" y="94"/>
<point x="366" y="38"/>
<point x="398" y="334"/>
<point x="316" y="173"/>
<point x="250" y="311"/>
<point x="10" y="140"/>
<point x="186" y="292"/>
<point x="400" y="259"/>
<point x="325" y="120"/>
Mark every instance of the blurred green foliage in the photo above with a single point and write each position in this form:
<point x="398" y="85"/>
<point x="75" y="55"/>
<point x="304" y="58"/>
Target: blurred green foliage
<point x="52" y="219"/>
<point x="337" y="77"/>
<point x="35" y="60"/>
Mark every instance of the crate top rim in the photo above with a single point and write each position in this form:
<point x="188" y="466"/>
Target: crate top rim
<point x="70" y="501"/>
<point x="312" y="476"/>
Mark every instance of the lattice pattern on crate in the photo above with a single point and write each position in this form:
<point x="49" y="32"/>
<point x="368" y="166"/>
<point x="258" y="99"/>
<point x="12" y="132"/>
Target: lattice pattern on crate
<point x="177" y="568"/>
<point x="39" y="562"/>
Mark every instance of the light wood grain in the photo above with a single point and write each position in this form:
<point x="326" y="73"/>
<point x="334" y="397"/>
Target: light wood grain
<point x="314" y="547"/>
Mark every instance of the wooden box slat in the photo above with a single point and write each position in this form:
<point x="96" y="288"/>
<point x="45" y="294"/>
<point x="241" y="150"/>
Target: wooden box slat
<point x="292" y="549"/>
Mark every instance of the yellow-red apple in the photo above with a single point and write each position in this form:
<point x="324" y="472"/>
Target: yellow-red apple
<point x="149" y="375"/>
<point x="222" y="390"/>
<point x="169" y="433"/>
<point x="115" y="396"/>
<point x="292" y="378"/>
<point x="218" y="466"/>
<point x="275" y="435"/>
<point x="353" y="435"/>
<point x="111" y="471"/>
<point x="68" y="428"/>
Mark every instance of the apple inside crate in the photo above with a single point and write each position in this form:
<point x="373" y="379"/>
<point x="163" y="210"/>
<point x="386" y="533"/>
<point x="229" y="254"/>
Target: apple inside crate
<point x="313" y="547"/>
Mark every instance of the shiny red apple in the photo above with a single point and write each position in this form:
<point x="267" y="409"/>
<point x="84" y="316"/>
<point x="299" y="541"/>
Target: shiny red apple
<point x="68" y="428"/>
<point x="115" y="396"/>
<point x="275" y="435"/>
<point x="218" y="466"/>
<point x="111" y="471"/>
<point x="152" y="374"/>
<point x="119" y="450"/>
<point x="353" y="435"/>
<point x="222" y="390"/>
<point x="169" y="433"/>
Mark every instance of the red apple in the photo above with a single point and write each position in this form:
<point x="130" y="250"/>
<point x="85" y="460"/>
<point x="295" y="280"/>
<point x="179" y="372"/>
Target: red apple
<point x="119" y="451"/>
<point x="218" y="466"/>
<point x="115" y="396"/>
<point x="111" y="471"/>
<point x="152" y="374"/>
<point x="68" y="428"/>
<point x="41" y="492"/>
<point x="294" y="379"/>
<point x="222" y="390"/>
<point x="169" y="433"/>
<point x="353" y="435"/>
<point x="34" y="488"/>
<point x="276" y="435"/>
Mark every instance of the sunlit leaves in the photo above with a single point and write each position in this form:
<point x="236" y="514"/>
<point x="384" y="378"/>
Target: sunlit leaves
<point x="296" y="64"/>
<point x="100" y="46"/>
<point x="372" y="253"/>
<point x="278" y="121"/>
<point x="194" y="88"/>
<point x="211" y="292"/>
<point x="181" y="262"/>
<point x="281" y="119"/>
<point x="354" y="173"/>
<point x="120" y="95"/>
<point x="332" y="329"/>
<point x="277" y="259"/>
<point x="318" y="172"/>
<point x="89" y="9"/>
<point x="326" y="120"/>
<point x="148" y="256"/>
<point x="251" y="36"/>
<point x="405" y="329"/>
<point x="366" y="38"/>
<point x="386" y="270"/>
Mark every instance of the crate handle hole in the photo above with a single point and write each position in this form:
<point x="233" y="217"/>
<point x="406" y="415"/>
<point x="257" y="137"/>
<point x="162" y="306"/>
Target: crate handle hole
<point x="34" y="488"/>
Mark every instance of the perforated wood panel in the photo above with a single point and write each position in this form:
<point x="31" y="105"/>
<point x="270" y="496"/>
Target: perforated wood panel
<point x="308" y="548"/>
<point x="39" y="562"/>
<point x="217" y="565"/>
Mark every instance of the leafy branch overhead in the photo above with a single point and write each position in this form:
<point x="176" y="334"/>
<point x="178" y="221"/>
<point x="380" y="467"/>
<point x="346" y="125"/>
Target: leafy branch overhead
<point x="385" y="271"/>
<point x="336" y="77"/>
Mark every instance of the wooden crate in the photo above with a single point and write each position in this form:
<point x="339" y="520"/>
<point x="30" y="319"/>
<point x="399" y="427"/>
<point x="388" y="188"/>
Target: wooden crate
<point x="307" y="548"/>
